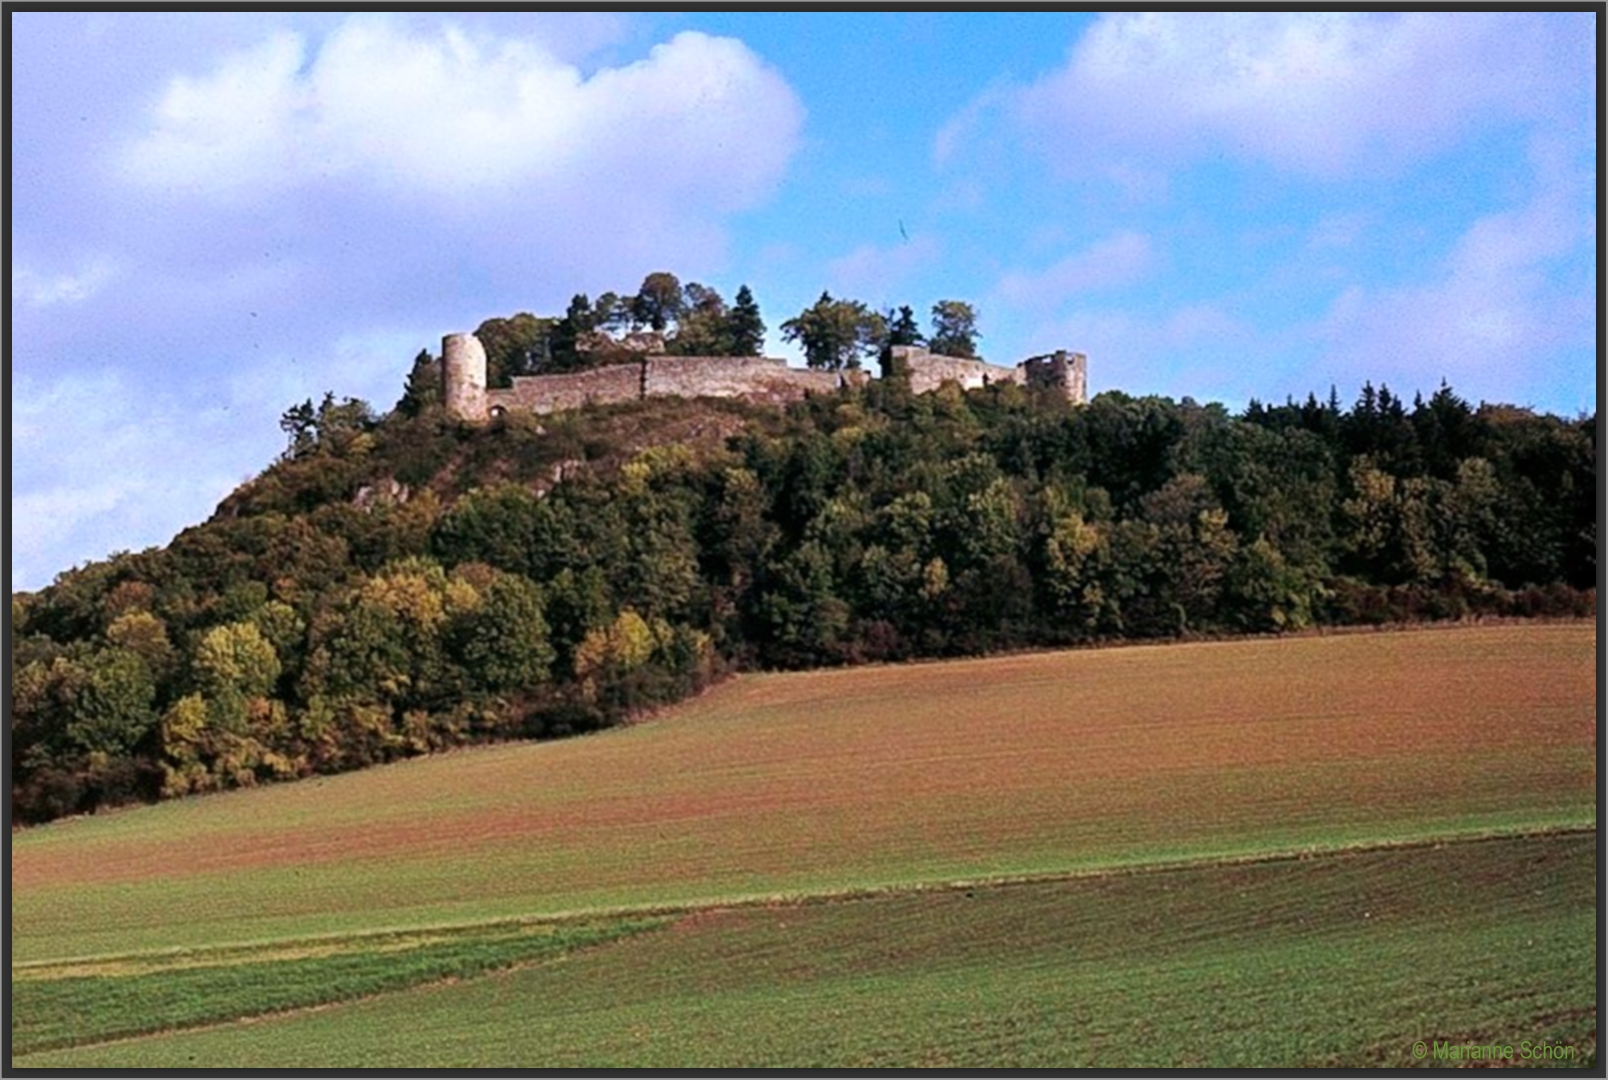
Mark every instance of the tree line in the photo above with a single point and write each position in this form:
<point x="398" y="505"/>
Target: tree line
<point x="403" y="583"/>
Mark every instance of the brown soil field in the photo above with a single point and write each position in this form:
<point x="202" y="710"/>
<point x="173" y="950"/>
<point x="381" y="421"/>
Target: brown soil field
<point x="858" y="778"/>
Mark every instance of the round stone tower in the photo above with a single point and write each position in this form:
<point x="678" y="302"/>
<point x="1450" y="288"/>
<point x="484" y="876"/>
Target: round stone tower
<point x="463" y="376"/>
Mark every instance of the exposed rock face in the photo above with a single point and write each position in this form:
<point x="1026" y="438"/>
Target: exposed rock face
<point x="387" y="492"/>
<point x="644" y="341"/>
<point x="755" y="378"/>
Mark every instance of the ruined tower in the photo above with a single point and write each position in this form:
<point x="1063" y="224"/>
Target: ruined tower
<point x="1068" y="372"/>
<point x="463" y="376"/>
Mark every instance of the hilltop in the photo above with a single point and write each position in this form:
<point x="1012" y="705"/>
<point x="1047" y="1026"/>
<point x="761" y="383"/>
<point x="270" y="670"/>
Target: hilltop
<point x="396" y="584"/>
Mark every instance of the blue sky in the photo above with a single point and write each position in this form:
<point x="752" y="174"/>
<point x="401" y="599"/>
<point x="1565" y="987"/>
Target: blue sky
<point x="218" y="215"/>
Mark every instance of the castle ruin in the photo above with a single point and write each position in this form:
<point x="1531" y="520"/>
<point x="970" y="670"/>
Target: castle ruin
<point x="753" y="378"/>
<point x="1065" y="371"/>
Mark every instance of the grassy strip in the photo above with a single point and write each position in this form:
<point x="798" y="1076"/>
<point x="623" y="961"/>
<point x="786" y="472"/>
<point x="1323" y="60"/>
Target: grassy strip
<point x="139" y="961"/>
<point x="1338" y="961"/>
<point x="183" y="990"/>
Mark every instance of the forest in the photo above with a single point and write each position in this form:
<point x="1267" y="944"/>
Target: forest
<point x="403" y="583"/>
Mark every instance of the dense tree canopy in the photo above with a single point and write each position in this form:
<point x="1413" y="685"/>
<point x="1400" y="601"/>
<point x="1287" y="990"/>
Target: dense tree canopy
<point x="395" y="585"/>
<point x="514" y="346"/>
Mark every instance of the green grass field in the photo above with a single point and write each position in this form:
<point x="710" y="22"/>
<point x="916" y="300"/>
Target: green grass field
<point x="630" y="880"/>
<point x="1335" y="960"/>
<point x="58" y="1005"/>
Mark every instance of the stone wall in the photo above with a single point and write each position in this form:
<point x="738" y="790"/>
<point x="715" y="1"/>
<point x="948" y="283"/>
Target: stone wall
<point x="929" y="370"/>
<point x="754" y="378"/>
<point x="758" y="378"/>
<point x="1065" y="371"/>
<point x="553" y="393"/>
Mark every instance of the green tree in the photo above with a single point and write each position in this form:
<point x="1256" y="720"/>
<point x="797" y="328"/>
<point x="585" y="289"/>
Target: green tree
<point x="504" y="646"/>
<point x="300" y="425"/>
<point x="702" y="328"/>
<point x="610" y="653"/>
<point x="333" y="427"/>
<point x="497" y="524"/>
<point x="383" y="642"/>
<point x="235" y="660"/>
<point x="902" y="328"/>
<point x="423" y="388"/>
<point x="611" y="312"/>
<point x="836" y="334"/>
<point x="115" y="706"/>
<point x="514" y="346"/>
<point x="802" y="612"/>
<point x="745" y="330"/>
<point x="146" y="636"/>
<point x="954" y="329"/>
<point x="1072" y="555"/>
<point x="658" y="302"/>
<point x="564" y="353"/>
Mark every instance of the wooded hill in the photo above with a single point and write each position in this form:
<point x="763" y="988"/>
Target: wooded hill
<point x="401" y="584"/>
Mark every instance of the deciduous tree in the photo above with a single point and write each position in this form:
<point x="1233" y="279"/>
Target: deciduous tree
<point x="836" y="334"/>
<point x="954" y="329"/>
<point x="658" y="302"/>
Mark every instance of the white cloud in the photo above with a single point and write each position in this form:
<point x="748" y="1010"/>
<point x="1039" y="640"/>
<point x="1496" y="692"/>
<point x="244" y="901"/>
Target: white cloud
<point x="99" y="469"/>
<point x="1487" y="320"/>
<point x="228" y="128"/>
<point x="876" y="271"/>
<point x="39" y="290"/>
<point x="372" y="365"/>
<point x="1201" y="349"/>
<point x="1117" y="260"/>
<point x="962" y="128"/>
<point x="447" y="113"/>
<point x="105" y="463"/>
<point x="1322" y="93"/>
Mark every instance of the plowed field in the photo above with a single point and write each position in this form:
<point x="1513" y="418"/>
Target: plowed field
<point x="828" y="782"/>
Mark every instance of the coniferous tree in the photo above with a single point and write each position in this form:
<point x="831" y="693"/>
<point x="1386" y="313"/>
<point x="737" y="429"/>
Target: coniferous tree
<point x="745" y="330"/>
<point x="902" y="328"/>
<point x="567" y="333"/>
<point x="423" y="388"/>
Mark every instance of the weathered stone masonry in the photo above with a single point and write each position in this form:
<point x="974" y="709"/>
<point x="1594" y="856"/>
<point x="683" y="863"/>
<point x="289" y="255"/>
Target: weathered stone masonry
<point x="755" y="378"/>
<point x="463" y="376"/>
<point x="1067" y="371"/>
